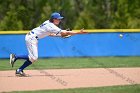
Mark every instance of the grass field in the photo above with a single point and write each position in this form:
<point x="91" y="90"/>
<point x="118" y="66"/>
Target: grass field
<point x="60" y="63"/>
<point x="112" y="89"/>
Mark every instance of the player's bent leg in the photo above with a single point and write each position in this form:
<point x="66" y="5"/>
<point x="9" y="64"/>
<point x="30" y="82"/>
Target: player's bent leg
<point x="32" y="47"/>
<point x="14" y="57"/>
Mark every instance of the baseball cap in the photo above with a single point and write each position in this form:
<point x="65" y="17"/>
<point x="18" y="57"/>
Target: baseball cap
<point x="56" y="15"/>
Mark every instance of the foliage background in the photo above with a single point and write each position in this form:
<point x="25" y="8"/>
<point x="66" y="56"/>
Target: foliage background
<point x="88" y="14"/>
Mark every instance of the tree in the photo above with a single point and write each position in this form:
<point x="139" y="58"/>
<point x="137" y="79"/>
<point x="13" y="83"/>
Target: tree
<point x="88" y="14"/>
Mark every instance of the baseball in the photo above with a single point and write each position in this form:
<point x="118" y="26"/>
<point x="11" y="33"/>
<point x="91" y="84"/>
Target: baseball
<point x="121" y="35"/>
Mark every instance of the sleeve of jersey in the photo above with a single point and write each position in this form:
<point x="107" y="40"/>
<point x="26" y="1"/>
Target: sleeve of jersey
<point x="56" y="30"/>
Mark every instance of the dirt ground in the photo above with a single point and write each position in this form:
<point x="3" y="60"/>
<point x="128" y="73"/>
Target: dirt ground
<point x="68" y="78"/>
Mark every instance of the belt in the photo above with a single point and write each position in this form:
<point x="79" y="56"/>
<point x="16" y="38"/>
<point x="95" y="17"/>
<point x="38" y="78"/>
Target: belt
<point x="33" y="33"/>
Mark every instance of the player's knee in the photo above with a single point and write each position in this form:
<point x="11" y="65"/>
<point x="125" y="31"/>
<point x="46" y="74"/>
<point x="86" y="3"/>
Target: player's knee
<point x="33" y="59"/>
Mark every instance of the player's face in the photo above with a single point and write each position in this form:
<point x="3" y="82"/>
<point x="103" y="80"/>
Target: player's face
<point x="56" y="21"/>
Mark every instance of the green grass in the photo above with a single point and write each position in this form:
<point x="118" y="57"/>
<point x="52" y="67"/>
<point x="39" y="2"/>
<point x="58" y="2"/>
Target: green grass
<point x="60" y="63"/>
<point x="112" y="89"/>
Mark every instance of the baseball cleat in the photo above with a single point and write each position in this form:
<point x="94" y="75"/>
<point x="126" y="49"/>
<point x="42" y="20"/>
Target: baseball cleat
<point x="12" y="59"/>
<point x="20" y="73"/>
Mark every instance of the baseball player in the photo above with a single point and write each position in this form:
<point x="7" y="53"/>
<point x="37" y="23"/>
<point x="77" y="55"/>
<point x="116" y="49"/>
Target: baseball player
<point x="48" y="28"/>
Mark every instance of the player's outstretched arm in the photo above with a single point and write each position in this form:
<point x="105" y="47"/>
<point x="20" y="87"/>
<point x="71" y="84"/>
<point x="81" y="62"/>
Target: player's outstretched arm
<point x="65" y="33"/>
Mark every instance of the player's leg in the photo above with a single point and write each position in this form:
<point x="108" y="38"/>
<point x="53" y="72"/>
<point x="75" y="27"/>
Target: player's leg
<point x="32" y="46"/>
<point x="19" y="71"/>
<point x="21" y="57"/>
<point x="14" y="57"/>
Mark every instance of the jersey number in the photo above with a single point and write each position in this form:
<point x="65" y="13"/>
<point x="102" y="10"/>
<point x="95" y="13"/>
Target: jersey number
<point x="43" y="24"/>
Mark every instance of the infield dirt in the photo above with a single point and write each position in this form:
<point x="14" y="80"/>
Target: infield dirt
<point x="68" y="78"/>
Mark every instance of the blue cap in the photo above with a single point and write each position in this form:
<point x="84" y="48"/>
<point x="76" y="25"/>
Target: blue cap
<point x="56" y="15"/>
